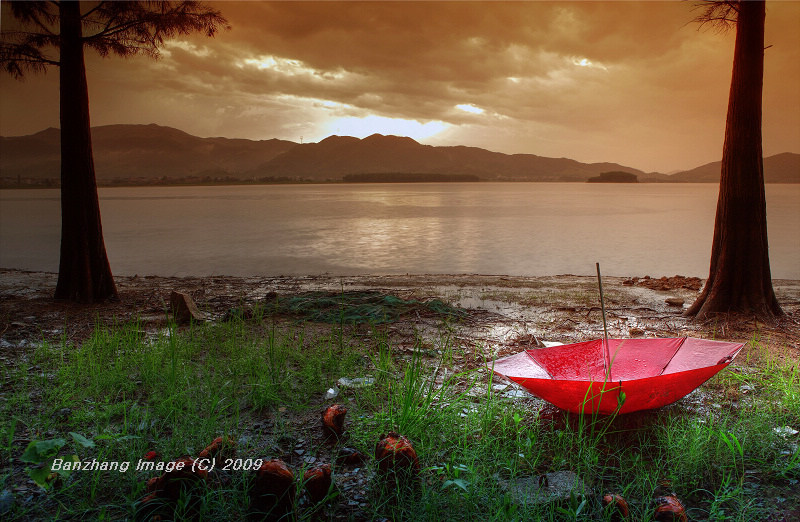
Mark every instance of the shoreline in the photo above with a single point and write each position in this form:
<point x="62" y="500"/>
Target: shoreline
<point x="34" y="186"/>
<point x="500" y="309"/>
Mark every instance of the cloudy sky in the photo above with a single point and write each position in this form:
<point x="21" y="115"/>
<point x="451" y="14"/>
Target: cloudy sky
<point x="629" y="82"/>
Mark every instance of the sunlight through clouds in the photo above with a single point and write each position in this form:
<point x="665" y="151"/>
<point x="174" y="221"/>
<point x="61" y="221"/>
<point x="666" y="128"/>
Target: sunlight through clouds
<point x="189" y="47"/>
<point x="468" y="107"/>
<point x="368" y="125"/>
<point x="288" y="67"/>
<point x="585" y="62"/>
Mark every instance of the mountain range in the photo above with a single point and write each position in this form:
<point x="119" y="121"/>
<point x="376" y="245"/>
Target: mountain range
<point x="153" y="153"/>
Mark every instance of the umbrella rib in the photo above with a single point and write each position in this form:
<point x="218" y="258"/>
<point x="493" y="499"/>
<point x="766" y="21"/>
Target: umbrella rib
<point x="528" y="353"/>
<point x="683" y="340"/>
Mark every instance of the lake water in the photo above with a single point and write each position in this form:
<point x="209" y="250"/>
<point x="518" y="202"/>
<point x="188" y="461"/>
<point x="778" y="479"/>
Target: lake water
<point x="485" y="228"/>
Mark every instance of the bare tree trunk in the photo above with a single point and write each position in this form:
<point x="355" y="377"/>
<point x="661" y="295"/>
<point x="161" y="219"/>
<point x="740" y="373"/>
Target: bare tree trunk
<point x="84" y="274"/>
<point x="739" y="279"/>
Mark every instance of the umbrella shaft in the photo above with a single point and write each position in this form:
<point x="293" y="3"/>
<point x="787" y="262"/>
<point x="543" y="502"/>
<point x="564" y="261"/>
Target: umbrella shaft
<point x="605" y="328"/>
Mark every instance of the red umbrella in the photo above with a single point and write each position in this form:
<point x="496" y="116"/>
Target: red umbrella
<point x="617" y="375"/>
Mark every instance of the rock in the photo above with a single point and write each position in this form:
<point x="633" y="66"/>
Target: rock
<point x="351" y="456"/>
<point x="668" y="283"/>
<point x="6" y="502"/>
<point x="674" y="301"/>
<point x="239" y="314"/>
<point x="516" y="393"/>
<point x="183" y="308"/>
<point x="547" y="488"/>
<point x="635" y="332"/>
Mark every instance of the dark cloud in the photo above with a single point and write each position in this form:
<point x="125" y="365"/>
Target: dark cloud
<point x="631" y="82"/>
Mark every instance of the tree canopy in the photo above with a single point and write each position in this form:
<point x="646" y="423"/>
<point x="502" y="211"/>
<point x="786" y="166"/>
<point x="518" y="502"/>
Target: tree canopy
<point x="109" y="27"/>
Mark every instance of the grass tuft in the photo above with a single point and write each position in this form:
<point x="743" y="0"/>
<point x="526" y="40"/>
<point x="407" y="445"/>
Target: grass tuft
<point x="124" y="393"/>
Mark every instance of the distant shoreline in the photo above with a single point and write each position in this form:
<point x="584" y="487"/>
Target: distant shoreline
<point x="46" y="184"/>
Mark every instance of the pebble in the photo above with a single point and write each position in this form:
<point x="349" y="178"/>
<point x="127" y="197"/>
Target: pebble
<point x="6" y="501"/>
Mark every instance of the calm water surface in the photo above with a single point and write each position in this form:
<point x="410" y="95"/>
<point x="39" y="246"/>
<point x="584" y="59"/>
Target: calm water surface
<point x="486" y="228"/>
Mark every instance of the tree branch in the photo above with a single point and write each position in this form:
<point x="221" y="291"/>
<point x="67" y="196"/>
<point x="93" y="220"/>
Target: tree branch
<point x="16" y="59"/>
<point x="92" y="10"/>
<point x="719" y="14"/>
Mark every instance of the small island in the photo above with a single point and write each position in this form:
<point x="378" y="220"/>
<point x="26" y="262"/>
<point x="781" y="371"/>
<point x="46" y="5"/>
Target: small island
<point x="614" y="177"/>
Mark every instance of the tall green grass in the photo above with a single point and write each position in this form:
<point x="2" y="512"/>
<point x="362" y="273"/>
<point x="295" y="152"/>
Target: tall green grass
<point x="131" y="392"/>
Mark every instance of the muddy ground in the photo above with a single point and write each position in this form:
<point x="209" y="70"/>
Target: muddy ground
<point x="504" y="313"/>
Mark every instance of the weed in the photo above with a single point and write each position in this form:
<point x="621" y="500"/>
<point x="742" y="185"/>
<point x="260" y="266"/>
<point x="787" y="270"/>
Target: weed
<point x="123" y="394"/>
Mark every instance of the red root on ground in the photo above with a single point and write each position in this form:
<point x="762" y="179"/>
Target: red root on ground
<point x="620" y="508"/>
<point x="220" y="448"/>
<point x="273" y="489"/>
<point x="317" y="482"/>
<point x="333" y="420"/>
<point x="666" y="283"/>
<point x="165" y="491"/>
<point x="395" y="453"/>
<point x="669" y="509"/>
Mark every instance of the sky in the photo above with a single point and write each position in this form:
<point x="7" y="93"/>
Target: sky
<point x="635" y="83"/>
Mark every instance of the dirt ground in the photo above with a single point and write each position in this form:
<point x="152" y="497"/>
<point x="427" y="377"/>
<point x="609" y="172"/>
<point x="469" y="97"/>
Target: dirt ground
<point x="504" y="313"/>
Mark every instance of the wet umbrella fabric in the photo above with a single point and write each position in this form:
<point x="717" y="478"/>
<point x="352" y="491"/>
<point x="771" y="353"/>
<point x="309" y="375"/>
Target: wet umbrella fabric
<point x="639" y="374"/>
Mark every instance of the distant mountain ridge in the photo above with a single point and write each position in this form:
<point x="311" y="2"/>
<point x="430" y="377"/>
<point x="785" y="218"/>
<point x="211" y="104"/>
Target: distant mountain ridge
<point x="780" y="168"/>
<point x="338" y="156"/>
<point x="139" y="153"/>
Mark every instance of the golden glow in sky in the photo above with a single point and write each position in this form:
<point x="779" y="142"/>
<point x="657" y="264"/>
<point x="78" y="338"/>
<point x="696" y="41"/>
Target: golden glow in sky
<point x="635" y="83"/>
<point x="368" y="125"/>
<point x="468" y="107"/>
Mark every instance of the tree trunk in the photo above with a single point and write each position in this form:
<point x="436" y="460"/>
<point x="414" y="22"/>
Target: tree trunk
<point x="739" y="279"/>
<point x="84" y="274"/>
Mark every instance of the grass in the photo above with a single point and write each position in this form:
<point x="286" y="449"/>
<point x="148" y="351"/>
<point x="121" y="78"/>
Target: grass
<point x="124" y="392"/>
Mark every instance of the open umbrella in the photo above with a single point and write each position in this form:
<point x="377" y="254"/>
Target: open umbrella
<point x="617" y="375"/>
